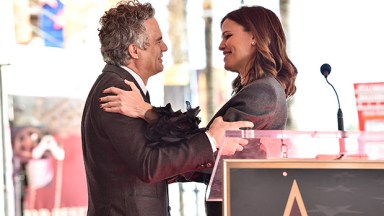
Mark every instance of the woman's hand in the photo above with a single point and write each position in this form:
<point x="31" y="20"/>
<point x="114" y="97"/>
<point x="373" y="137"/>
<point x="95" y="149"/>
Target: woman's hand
<point x="129" y="103"/>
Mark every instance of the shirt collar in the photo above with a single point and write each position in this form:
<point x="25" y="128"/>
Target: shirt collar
<point x="137" y="78"/>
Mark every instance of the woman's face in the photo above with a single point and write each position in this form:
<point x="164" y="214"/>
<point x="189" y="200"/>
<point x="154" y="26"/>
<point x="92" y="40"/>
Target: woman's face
<point x="237" y="47"/>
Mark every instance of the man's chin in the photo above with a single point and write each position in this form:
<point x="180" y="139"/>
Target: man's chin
<point x="160" y="71"/>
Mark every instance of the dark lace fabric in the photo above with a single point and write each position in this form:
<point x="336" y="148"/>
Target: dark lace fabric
<point x="173" y="127"/>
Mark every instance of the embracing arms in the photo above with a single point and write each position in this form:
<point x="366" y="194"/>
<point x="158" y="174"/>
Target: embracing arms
<point x="131" y="103"/>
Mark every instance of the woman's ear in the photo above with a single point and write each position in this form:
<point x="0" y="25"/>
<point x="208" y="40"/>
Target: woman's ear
<point x="133" y="51"/>
<point x="253" y="40"/>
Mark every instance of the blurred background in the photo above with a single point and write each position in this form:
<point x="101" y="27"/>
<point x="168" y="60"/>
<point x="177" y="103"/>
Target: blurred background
<point x="49" y="58"/>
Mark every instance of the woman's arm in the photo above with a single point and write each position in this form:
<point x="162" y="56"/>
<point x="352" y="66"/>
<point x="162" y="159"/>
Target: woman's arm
<point x="129" y="103"/>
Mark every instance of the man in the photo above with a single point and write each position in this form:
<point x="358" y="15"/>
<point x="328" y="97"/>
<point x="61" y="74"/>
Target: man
<point x="126" y="176"/>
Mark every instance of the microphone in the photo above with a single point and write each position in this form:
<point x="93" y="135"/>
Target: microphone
<point x="325" y="69"/>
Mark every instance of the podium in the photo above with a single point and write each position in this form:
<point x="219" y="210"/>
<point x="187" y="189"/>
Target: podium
<point x="301" y="173"/>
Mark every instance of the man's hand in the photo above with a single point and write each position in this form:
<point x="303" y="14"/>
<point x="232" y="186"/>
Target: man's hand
<point x="229" y="145"/>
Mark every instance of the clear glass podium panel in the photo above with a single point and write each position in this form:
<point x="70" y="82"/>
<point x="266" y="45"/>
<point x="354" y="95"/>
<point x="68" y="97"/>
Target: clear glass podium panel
<point x="303" y="145"/>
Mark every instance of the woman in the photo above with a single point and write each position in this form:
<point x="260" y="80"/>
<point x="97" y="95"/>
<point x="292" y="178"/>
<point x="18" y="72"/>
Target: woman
<point x="254" y="46"/>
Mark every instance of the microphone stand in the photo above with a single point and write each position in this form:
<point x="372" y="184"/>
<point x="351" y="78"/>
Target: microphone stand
<point x="340" y="121"/>
<point x="325" y="69"/>
<point x="340" y="125"/>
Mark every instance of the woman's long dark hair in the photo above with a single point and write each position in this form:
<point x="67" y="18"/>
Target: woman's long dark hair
<point x="270" y="56"/>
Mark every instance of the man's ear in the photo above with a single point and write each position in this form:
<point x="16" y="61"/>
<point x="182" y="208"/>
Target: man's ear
<point x="133" y="51"/>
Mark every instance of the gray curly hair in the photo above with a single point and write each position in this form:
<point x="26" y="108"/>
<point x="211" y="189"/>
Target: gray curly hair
<point x="121" y="26"/>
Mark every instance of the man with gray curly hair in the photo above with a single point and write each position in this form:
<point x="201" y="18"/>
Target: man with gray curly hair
<point x="125" y="175"/>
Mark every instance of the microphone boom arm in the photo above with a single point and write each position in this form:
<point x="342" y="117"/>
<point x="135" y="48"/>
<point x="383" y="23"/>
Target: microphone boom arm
<point x="340" y="122"/>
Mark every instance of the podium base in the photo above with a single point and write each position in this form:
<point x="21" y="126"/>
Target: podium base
<point x="342" y="157"/>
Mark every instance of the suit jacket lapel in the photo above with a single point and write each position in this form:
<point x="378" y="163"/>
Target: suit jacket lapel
<point x="125" y="75"/>
<point x="221" y="111"/>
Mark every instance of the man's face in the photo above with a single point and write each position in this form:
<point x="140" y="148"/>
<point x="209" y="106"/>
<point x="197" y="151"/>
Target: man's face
<point x="150" y="60"/>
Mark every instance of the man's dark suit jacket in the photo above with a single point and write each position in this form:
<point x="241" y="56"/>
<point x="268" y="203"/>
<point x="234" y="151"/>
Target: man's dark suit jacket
<point x="125" y="177"/>
<point x="264" y="103"/>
